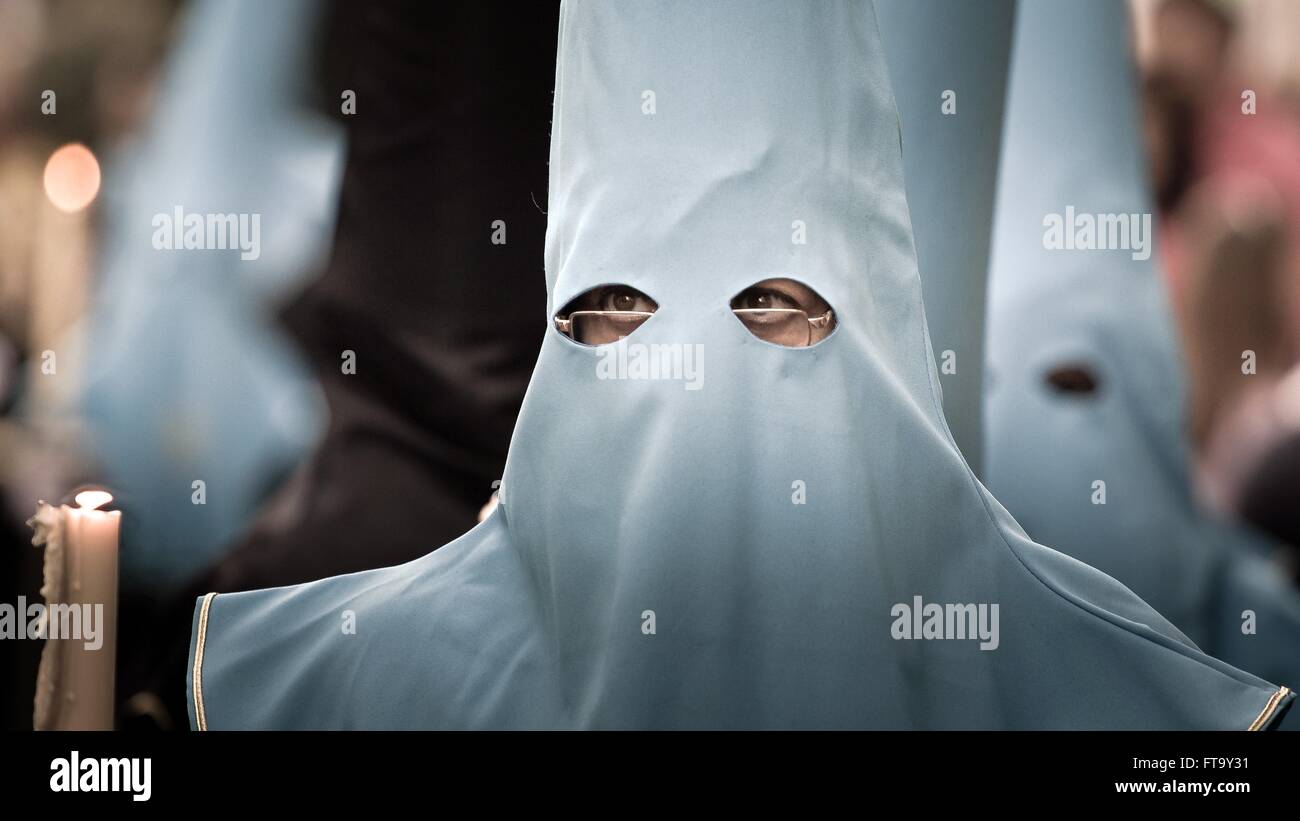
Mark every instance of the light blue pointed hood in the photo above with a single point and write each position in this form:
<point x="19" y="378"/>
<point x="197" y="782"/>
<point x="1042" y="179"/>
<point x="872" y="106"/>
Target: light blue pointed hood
<point x="742" y="554"/>
<point x="1103" y="475"/>
<point x="187" y="378"/>
<point x="948" y="62"/>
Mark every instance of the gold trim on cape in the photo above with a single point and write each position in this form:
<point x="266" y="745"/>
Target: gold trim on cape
<point x="200" y="718"/>
<point x="202" y="721"/>
<point x="1269" y="708"/>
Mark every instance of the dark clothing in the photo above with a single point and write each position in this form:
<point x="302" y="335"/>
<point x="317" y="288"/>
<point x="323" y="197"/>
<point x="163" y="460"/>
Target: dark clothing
<point x="451" y="133"/>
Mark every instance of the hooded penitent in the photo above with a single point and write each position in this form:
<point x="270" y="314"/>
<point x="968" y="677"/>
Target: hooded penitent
<point x="194" y="401"/>
<point x="1086" y="415"/>
<point x="767" y="549"/>
<point x="418" y="429"/>
<point x="439" y="199"/>
<point x="948" y="62"/>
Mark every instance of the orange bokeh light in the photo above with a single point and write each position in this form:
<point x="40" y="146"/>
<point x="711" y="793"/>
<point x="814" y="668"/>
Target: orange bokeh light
<point x="72" y="178"/>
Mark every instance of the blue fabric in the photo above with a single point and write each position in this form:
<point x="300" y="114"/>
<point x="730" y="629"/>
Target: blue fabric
<point x="950" y="160"/>
<point x="626" y="500"/>
<point x="187" y="378"/>
<point x="1073" y="140"/>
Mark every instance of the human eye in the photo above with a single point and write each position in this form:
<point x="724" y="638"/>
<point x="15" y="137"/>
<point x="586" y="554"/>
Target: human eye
<point x="763" y="299"/>
<point x="624" y="298"/>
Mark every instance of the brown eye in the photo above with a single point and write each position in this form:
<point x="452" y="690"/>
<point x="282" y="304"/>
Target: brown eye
<point x="783" y="312"/>
<point x="1073" y="379"/>
<point x="759" y="299"/>
<point x="625" y="299"/>
<point x="604" y="315"/>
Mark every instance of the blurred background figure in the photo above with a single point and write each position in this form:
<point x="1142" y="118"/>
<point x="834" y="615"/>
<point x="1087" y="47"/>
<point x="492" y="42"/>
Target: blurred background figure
<point x="948" y="63"/>
<point x="1088" y="443"/>
<point x="1222" y="129"/>
<point x="423" y="368"/>
<point x="195" y="402"/>
<point x="343" y="397"/>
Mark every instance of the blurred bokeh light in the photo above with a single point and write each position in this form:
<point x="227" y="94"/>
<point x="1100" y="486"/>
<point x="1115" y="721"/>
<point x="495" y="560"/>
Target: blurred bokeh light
<point x="72" y="178"/>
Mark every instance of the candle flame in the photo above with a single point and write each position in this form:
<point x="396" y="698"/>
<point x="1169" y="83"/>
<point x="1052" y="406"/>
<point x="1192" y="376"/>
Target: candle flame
<point x="92" y="499"/>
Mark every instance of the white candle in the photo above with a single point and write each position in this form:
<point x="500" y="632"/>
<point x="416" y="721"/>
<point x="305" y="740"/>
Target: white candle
<point x="75" y="682"/>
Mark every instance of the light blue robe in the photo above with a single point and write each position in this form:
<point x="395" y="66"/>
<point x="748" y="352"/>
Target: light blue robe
<point x="1073" y="141"/>
<point x="948" y="63"/>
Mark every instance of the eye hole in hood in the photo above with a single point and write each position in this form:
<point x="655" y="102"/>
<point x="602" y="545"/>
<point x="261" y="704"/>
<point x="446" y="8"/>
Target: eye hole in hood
<point x="784" y="312"/>
<point x="1075" y="379"/>
<point x="604" y="314"/>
